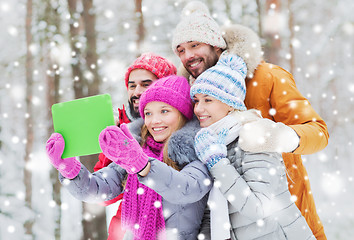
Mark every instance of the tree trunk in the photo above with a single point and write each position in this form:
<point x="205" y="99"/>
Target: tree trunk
<point x="29" y="120"/>
<point x="91" y="56"/>
<point x="94" y="223"/>
<point x="140" y="19"/>
<point x="52" y="95"/>
<point x="259" y="11"/>
<point x="79" y="81"/>
<point x="273" y="43"/>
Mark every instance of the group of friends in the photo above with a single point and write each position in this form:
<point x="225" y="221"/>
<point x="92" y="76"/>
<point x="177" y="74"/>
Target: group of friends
<point x="212" y="151"/>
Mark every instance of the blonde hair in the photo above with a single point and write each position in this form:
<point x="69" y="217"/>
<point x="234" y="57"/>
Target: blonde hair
<point x="182" y="120"/>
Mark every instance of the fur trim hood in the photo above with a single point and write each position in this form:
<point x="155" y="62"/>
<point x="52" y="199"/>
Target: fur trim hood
<point x="242" y="41"/>
<point x="181" y="143"/>
<point x="245" y="43"/>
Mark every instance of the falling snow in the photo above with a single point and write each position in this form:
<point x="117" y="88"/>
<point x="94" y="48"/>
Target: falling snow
<point x="322" y="51"/>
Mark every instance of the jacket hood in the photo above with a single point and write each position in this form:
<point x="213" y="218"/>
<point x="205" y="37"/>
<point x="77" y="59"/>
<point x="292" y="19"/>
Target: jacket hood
<point x="242" y="41"/>
<point x="245" y="43"/>
<point x="181" y="143"/>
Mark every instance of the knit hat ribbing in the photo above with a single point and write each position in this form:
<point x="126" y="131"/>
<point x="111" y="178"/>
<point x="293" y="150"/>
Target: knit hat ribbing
<point x="225" y="81"/>
<point x="197" y="25"/>
<point x="173" y="90"/>
<point x="154" y="63"/>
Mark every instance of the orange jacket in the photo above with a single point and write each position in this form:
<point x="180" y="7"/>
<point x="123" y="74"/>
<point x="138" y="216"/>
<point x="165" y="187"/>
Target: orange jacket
<point x="269" y="87"/>
<point x="273" y="90"/>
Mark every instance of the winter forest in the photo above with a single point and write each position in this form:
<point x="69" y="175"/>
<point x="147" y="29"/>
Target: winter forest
<point x="55" y="51"/>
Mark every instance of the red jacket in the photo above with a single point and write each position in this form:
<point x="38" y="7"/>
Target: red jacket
<point x="115" y="231"/>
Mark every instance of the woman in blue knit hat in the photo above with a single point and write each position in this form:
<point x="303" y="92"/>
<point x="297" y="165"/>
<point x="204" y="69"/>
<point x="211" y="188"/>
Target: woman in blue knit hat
<point x="250" y="197"/>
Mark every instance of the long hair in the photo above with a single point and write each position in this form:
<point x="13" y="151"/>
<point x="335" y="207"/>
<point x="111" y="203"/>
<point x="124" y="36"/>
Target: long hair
<point x="182" y="120"/>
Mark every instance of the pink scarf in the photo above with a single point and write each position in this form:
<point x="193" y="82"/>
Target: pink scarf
<point x="139" y="212"/>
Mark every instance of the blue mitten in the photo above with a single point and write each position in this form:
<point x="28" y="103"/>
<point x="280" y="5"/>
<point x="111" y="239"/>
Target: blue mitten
<point x="210" y="148"/>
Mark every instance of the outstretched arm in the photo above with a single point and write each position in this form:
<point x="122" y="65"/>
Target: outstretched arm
<point x="97" y="187"/>
<point x="179" y="187"/>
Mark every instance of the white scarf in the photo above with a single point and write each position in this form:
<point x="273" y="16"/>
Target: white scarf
<point x="219" y="212"/>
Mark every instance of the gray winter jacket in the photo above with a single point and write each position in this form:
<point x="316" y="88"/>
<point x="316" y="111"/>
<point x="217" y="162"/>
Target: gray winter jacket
<point x="184" y="193"/>
<point x="260" y="204"/>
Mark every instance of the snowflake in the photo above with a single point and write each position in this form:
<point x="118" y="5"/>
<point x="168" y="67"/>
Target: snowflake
<point x="207" y="182"/>
<point x="272" y="111"/>
<point x="11" y="229"/>
<point x="157" y="204"/>
<point x="109" y="14"/>
<point x="64" y="206"/>
<point x="260" y="223"/>
<point x="272" y="171"/>
<point x="201" y="236"/>
<point x="140" y="191"/>
<point x="15" y="139"/>
<point x="52" y="203"/>
<point x="231" y="198"/>
<point x="227" y="225"/>
<point x="217" y="184"/>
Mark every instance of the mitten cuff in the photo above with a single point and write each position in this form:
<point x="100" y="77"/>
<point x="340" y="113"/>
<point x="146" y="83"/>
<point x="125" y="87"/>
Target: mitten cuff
<point x="72" y="171"/>
<point x="213" y="161"/>
<point x="138" y="165"/>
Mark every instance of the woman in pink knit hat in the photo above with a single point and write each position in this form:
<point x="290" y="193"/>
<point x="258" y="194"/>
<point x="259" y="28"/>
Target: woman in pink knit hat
<point x="166" y="185"/>
<point x="143" y="72"/>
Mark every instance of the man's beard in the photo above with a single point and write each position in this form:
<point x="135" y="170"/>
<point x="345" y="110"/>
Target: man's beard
<point x="206" y="65"/>
<point x="209" y="61"/>
<point x="133" y="112"/>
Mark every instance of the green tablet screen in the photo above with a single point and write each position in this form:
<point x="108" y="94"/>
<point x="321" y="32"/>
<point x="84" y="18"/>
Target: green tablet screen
<point x="80" y="122"/>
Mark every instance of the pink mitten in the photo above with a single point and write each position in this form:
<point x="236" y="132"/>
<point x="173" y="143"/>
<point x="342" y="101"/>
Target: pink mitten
<point x="120" y="146"/>
<point x="68" y="167"/>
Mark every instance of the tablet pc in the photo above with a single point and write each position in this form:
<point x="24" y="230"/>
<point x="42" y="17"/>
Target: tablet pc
<point x="80" y="122"/>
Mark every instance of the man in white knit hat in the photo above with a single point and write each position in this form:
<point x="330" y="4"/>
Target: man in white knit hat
<point x="199" y="41"/>
<point x="198" y="33"/>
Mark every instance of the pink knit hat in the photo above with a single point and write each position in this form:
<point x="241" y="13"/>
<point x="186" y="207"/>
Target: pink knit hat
<point x="173" y="90"/>
<point x="156" y="64"/>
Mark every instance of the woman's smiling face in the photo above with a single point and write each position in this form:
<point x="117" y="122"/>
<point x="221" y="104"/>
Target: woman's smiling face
<point x="161" y="120"/>
<point x="209" y="110"/>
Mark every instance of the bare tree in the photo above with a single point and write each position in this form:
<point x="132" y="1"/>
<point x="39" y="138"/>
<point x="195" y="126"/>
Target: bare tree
<point x="89" y="19"/>
<point x="273" y="44"/>
<point x="140" y="19"/>
<point x="79" y="83"/>
<point x="94" y="226"/>
<point x="29" y="120"/>
<point x="52" y="17"/>
<point x="259" y="11"/>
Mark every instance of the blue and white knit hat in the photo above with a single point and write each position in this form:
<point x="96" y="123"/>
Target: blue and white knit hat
<point x="225" y="81"/>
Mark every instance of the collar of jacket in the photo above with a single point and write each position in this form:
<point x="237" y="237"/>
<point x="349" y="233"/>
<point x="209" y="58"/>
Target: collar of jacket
<point x="181" y="143"/>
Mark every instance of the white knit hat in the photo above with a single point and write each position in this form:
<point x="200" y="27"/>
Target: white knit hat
<point x="197" y="25"/>
<point x="225" y="81"/>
